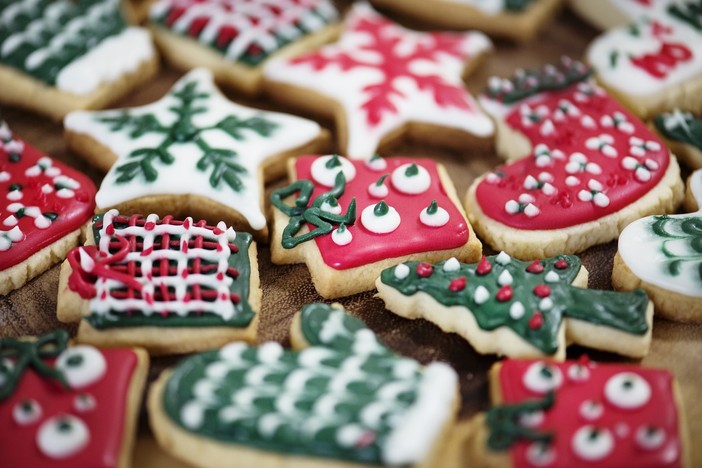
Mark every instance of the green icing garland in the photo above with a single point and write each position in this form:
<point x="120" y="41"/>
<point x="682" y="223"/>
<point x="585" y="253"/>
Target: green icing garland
<point x="505" y="429"/>
<point x="671" y="229"/>
<point x="532" y="282"/>
<point x="680" y="126"/>
<point x="246" y="387"/>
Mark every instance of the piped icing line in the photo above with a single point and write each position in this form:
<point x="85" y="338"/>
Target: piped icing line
<point x="246" y="31"/>
<point x="191" y="141"/>
<point x="289" y="401"/>
<point x="680" y="126"/>
<point x="673" y="247"/>
<point x="582" y="171"/>
<point x="385" y="76"/>
<point x="74" y="46"/>
<point x="151" y="271"/>
<point x="633" y="414"/>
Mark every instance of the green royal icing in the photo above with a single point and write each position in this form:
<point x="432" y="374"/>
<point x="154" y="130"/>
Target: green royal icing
<point x="243" y="311"/>
<point x="221" y="162"/>
<point x="80" y="24"/>
<point x="504" y="423"/>
<point x="673" y="229"/>
<point x="689" y="12"/>
<point x="273" y="398"/>
<point x="680" y="126"/>
<point x="621" y="310"/>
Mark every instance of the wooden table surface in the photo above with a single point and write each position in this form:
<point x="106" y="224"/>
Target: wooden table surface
<point x="31" y="310"/>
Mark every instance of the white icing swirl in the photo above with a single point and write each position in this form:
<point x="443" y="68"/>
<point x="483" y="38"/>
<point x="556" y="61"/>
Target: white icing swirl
<point x="326" y="176"/>
<point x="627" y="390"/>
<point x="411" y="184"/>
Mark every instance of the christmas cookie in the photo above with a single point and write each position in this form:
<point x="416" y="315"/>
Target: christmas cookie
<point x="58" y="56"/>
<point x="607" y="14"/>
<point x="68" y="406"/>
<point x="381" y="81"/>
<point x="192" y="153"/>
<point x="682" y="132"/>
<point x="654" y="64"/>
<point x="235" y="38"/>
<point x="350" y="219"/>
<point x="44" y="206"/>
<point x="663" y="255"/>
<point x="516" y="19"/>
<point x="581" y="167"/>
<point x="167" y="285"/>
<point x="340" y="398"/>
<point x="520" y="309"/>
<point x="580" y="414"/>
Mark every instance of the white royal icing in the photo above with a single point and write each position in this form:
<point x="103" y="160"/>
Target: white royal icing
<point x="81" y="365"/>
<point x="592" y="448"/>
<point x="380" y="224"/>
<point x="26" y="412"/>
<point x="327" y="175"/>
<point x="650" y="438"/>
<point x="411" y="184"/>
<point x="627" y="390"/>
<point x="342" y="238"/>
<point x="591" y="410"/>
<point x="438" y="219"/>
<point x="541" y="377"/>
<point x="452" y="264"/>
<point x="401" y="271"/>
<point x="56" y="441"/>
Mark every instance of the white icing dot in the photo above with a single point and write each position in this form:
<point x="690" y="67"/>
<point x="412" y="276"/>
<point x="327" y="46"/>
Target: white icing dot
<point x="42" y="222"/>
<point x="348" y="434"/>
<point x="342" y="238"/>
<point x="4" y="176"/>
<point x="592" y="444"/>
<point x="531" y="419"/>
<point x="438" y="219"/>
<point x="378" y="191"/>
<point x="14" y="195"/>
<point x="516" y="310"/>
<point x="545" y="304"/>
<point x="627" y="390"/>
<point x="401" y="271"/>
<point x="552" y="277"/>
<point x="47" y="188"/>
<point x="26" y="412"/>
<point x="81" y="365"/>
<point x="531" y="210"/>
<point x="591" y="410"/>
<point x="382" y="224"/>
<point x="540" y="454"/>
<point x="503" y="258"/>
<point x="329" y="208"/>
<point x="548" y="189"/>
<point x="512" y="207"/>
<point x="62" y="436"/>
<point x="542" y="377"/>
<point x="232" y="352"/>
<point x="622" y="430"/>
<point x="526" y="198"/>
<point x="411" y="184"/>
<point x="601" y="200"/>
<point x="327" y="175"/>
<point x="270" y="352"/>
<point x="578" y="373"/>
<point x="572" y="181"/>
<point x="192" y="415"/>
<point x="481" y="295"/>
<point x="650" y="437"/>
<point x="377" y="164"/>
<point x="452" y="264"/>
<point x="10" y="221"/>
<point x="84" y="402"/>
<point x="505" y="278"/>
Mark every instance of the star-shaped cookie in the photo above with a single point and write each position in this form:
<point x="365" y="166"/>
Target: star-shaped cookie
<point x="192" y="153"/>
<point x="382" y="81"/>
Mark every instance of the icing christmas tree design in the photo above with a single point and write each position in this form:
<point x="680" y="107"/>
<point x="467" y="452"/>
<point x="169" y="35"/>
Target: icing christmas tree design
<point x="384" y="76"/>
<point x="535" y="300"/>
<point x="192" y="141"/>
<point x="344" y="396"/>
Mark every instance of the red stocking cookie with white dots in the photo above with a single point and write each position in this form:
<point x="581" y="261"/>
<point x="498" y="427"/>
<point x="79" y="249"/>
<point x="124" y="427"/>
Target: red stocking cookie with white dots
<point x="350" y="219"/>
<point x="68" y="406"/>
<point x="580" y="414"/>
<point x="44" y="206"/>
<point x="381" y="81"/>
<point x="581" y="167"/>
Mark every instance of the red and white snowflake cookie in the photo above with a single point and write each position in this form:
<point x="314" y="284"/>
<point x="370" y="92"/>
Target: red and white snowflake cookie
<point x="381" y="81"/>
<point x="581" y="414"/>
<point x="68" y="406"/>
<point x="350" y="219"/>
<point x="44" y="206"/>
<point x="581" y="167"/>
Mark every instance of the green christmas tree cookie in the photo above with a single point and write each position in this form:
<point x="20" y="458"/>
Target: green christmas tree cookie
<point x="343" y="396"/>
<point x="519" y="309"/>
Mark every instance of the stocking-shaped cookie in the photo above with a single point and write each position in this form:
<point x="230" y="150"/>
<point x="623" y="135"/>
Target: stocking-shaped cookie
<point x="168" y="285"/>
<point x="663" y="255"/>
<point x="521" y="309"/>
<point x="580" y="414"/>
<point x="587" y="167"/>
<point x="342" y="397"/>
<point x="44" y="206"/>
<point x="381" y="81"/>
<point x="68" y="406"/>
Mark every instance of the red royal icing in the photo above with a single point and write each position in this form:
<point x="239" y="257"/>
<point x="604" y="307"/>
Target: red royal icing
<point x="410" y="237"/>
<point x="564" y="418"/>
<point x="18" y="446"/>
<point x="564" y="134"/>
<point x="72" y="211"/>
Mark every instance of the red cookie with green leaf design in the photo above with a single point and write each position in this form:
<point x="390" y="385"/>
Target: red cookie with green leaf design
<point x="44" y="205"/>
<point x="581" y="166"/>
<point x="68" y="406"/>
<point x="580" y="414"/>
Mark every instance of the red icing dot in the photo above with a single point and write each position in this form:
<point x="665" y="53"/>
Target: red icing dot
<point x="147" y="252"/>
<point x="424" y="270"/>
<point x="561" y="264"/>
<point x="110" y="229"/>
<point x="149" y="226"/>
<point x="505" y="293"/>
<point x="536" y="321"/>
<point x="184" y="273"/>
<point x="458" y="284"/>
<point x="535" y="267"/>
<point x="220" y="276"/>
<point x="164" y="314"/>
<point x="542" y="290"/>
<point x="484" y="267"/>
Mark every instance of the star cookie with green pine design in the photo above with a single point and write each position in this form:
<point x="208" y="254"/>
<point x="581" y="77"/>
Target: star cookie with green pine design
<point x="339" y="396"/>
<point x="192" y="153"/>
<point x="514" y="308"/>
